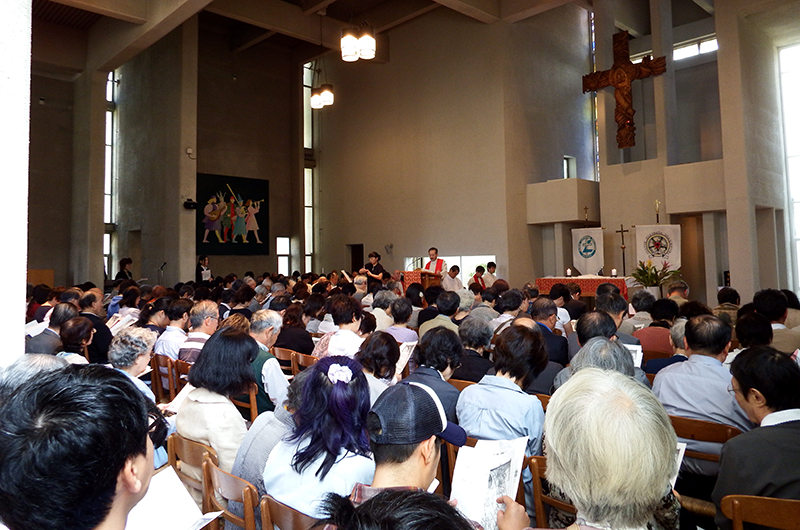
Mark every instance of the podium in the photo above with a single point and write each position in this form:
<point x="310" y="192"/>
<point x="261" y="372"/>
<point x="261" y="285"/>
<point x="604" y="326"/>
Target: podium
<point x="426" y="278"/>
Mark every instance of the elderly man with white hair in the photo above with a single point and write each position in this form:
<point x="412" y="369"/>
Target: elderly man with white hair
<point x="381" y="309"/>
<point x="600" y="352"/>
<point x="272" y="385"/>
<point x="610" y="448"/>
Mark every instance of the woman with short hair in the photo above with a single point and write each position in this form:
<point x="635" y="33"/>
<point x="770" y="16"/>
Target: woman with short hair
<point x="293" y="335"/>
<point x="379" y="355"/>
<point x="328" y="452"/>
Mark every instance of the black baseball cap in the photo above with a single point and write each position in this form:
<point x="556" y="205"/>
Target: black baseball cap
<point x="410" y="413"/>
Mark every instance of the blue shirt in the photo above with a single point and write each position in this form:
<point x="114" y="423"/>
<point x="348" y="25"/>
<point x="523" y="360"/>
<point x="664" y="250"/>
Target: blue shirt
<point x="160" y="453"/>
<point x="497" y="409"/>
<point x="698" y="389"/>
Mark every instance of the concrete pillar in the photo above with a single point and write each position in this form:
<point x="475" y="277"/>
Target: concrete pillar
<point x="767" y="249"/>
<point x="710" y="242"/>
<point x="604" y="57"/>
<point x="86" y="255"/>
<point x="15" y="85"/>
<point x="664" y="84"/>
<point x="562" y="247"/>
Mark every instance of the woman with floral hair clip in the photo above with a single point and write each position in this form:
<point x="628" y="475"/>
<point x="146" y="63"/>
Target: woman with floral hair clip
<point x="328" y="452"/>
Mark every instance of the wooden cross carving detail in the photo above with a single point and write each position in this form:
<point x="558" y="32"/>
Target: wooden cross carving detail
<point x="620" y="76"/>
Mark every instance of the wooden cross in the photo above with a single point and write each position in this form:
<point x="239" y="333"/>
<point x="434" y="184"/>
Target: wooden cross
<point x="622" y="232"/>
<point x="586" y="215"/>
<point x="620" y="76"/>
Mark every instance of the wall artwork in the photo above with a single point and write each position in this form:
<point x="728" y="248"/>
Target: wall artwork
<point x="233" y="215"/>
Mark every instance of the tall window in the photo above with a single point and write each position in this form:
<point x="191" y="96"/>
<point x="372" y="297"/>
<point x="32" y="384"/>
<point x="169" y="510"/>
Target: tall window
<point x="309" y="169"/>
<point x="790" y="88"/>
<point x="109" y="181"/>
<point x="282" y="249"/>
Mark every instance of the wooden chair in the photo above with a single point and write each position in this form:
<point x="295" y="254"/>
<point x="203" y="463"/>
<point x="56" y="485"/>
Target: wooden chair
<point x="301" y="361"/>
<point x="703" y="431"/>
<point x="545" y="399"/>
<point x="180" y="449"/>
<point x="651" y="378"/>
<point x="460" y="384"/>
<point x="285" y="358"/>
<point x="648" y="355"/>
<point x="157" y="377"/>
<point x="538" y="467"/>
<point x="181" y="373"/>
<point x="764" y="511"/>
<point x="230" y="488"/>
<point x="251" y="403"/>
<point x="276" y="514"/>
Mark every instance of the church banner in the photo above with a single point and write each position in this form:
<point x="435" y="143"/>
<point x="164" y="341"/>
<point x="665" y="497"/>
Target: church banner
<point x="659" y="243"/>
<point x="587" y="250"/>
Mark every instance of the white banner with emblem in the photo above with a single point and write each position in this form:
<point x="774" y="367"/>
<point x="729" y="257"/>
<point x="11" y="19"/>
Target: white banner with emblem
<point x="587" y="250"/>
<point x="659" y="243"/>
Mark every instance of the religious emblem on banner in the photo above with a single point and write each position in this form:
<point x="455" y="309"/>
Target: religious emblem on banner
<point x="587" y="247"/>
<point x="658" y="245"/>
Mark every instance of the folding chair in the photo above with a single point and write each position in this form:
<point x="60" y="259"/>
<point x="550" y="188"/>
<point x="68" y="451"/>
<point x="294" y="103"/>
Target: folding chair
<point x="230" y="488"/>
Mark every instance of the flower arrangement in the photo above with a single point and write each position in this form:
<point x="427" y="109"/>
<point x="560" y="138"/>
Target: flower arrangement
<point x="647" y="275"/>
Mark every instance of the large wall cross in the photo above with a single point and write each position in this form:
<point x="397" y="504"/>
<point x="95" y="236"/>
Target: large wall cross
<point x="620" y="76"/>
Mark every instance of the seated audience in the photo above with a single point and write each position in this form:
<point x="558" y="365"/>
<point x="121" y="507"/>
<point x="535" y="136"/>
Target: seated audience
<point x="431" y="295"/>
<point x="207" y="415"/>
<point x="773" y="304"/>
<point x="204" y="319"/>
<point x="793" y="309"/>
<point x="764" y="461"/>
<point x="728" y="300"/>
<point x="238" y="321"/>
<point x="154" y="315"/>
<point x="596" y="477"/>
<point x="241" y="301"/>
<point x="678" y="291"/>
<point x="381" y="309"/>
<point x="263" y="435"/>
<point x="66" y="463"/>
<point x="497" y="408"/>
<point x="76" y="334"/>
<point x="169" y="343"/>
<point x="677" y="337"/>
<point x="543" y="382"/>
<point x="655" y="337"/>
<point x="545" y="313"/>
<point x="129" y="303"/>
<point x="328" y="451"/>
<point x="485" y="309"/>
<point x="271" y="383"/>
<point x="574" y="306"/>
<point x="91" y="305"/>
<point x="475" y="335"/>
<point x="379" y="355"/>
<point x="616" y="307"/>
<point x="447" y="306"/>
<point x="752" y="330"/>
<point x="600" y="352"/>
<point x="465" y="301"/>
<point x="560" y="295"/>
<point x="437" y="356"/>
<point x="401" y="313"/>
<point x="293" y="335"/>
<point x="642" y="302"/>
<point x="415" y="294"/>
<point x="694" y="308"/>
<point x="346" y="313"/>
<point x="508" y="306"/>
<point x="25" y="368"/>
<point x="313" y="310"/>
<point x="49" y="340"/>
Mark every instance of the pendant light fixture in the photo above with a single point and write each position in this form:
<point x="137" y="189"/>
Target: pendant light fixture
<point x="321" y="95"/>
<point x="358" y="43"/>
<point x="349" y="44"/>
<point x="366" y="42"/>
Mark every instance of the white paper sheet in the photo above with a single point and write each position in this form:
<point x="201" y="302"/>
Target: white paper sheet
<point x="679" y="457"/>
<point x="637" y="353"/>
<point x="406" y="349"/>
<point x="485" y="473"/>
<point x="167" y="504"/>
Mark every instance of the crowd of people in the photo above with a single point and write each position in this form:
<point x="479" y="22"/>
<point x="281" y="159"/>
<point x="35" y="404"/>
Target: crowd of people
<point x="352" y="440"/>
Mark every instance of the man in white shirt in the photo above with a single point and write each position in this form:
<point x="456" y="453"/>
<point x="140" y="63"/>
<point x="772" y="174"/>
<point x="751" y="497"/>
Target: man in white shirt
<point x="436" y="264"/>
<point x="170" y="342"/>
<point x="488" y="277"/>
<point x="450" y="281"/>
<point x="264" y="328"/>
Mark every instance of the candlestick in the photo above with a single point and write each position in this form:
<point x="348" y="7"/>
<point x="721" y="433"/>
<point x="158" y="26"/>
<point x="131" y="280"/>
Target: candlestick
<point x="569" y="272"/>
<point x="613" y="273"/>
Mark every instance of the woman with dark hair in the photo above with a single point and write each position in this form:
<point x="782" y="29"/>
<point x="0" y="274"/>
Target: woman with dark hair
<point x="129" y="304"/>
<point x="38" y="297"/>
<point x="346" y="313"/>
<point x="207" y="415"/>
<point x="401" y="313"/>
<point x="76" y="334"/>
<point x="241" y="301"/>
<point x="415" y="294"/>
<point x="154" y="315"/>
<point x="293" y="334"/>
<point x="379" y="355"/>
<point x="124" y="269"/>
<point x="374" y="271"/>
<point x="313" y="311"/>
<point x="497" y="408"/>
<point x="328" y="452"/>
<point x="437" y="356"/>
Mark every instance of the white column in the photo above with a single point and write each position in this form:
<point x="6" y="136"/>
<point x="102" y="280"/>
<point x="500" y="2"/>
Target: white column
<point x="15" y="85"/>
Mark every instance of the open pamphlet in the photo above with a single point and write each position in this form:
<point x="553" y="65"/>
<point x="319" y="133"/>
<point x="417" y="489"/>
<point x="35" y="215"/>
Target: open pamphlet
<point x="485" y="473"/>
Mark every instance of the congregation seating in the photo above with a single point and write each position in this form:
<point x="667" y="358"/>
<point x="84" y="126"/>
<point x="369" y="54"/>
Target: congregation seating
<point x="301" y="361"/>
<point x="648" y="355"/>
<point x="229" y="488"/>
<point x="180" y="449"/>
<point x="285" y="358"/>
<point x="703" y="431"/>
<point x="538" y="467"/>
<point x="459" y="384"/>
<point x="275" y="514"/>
<point x="163" y="370"/>
<point x="763" y="511"/>
<point x="181" y="373"/>
<point x="250" y="404"/>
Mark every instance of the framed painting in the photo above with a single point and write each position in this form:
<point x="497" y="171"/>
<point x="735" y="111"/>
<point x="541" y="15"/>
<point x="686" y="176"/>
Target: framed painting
<point x="233" y="215"/>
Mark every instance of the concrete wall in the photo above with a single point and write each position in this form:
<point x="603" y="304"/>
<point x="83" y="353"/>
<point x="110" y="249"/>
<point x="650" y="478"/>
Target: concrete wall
<point x="436" y="146"/>
<point x="50" y="177"/>
<point x="244" y="129"/>
<point x="699" y="133"/>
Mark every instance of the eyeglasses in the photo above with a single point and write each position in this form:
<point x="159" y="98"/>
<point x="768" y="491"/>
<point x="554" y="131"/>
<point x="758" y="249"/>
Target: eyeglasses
<point x="732" y="391"/>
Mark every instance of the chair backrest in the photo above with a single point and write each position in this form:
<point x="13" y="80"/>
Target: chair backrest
<point x="648" y="355"/>
<point x="764" y="511"/>
<point x="545" y="399"/>
<point x="181" y="373"/>
<point x="276" y="514"/>
<point x="287" y="356"/>
<point x="703" y="431"/>
<point x="230" y="488"/>
<point x="301" y="361"/>
<point x="651" y="378"/>
<point x="180" y="449"/>
<point x="158" y="376"/>
<point x="460" y="384"/>
<point x="538" y="467"/>
<point x="249" y="404"/>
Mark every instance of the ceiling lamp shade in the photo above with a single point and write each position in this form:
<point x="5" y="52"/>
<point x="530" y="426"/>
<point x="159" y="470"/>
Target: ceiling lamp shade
<point x="366" y="42"/>
<point x="350" y="43"/>
<point x="316" y="98"/>
<point x="326" y="95"/>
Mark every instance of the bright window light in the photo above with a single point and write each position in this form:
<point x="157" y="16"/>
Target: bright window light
<point x="282" y="245"/>
<point x="685" y="52"/>
<point x="709" y="46"/>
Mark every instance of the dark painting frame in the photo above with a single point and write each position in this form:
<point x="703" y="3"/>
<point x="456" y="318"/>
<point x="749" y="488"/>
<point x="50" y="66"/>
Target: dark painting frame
<point x="218" y="196"/>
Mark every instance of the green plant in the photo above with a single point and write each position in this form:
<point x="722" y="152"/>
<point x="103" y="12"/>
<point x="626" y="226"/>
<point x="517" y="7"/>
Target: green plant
<point x="647" y="275"/>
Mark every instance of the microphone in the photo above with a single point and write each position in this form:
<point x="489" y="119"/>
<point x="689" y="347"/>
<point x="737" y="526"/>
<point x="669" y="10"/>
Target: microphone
<point x="161" y="268"/>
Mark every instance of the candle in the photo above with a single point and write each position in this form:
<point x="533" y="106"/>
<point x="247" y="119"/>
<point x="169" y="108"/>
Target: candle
<point x="569" y="272"/>
<point x="613" y="273"/>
